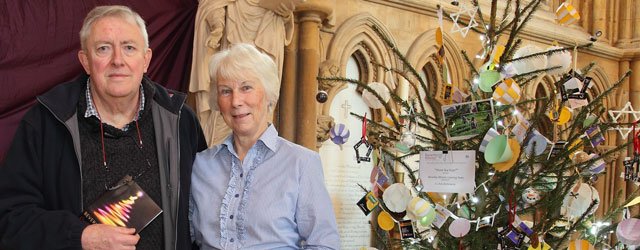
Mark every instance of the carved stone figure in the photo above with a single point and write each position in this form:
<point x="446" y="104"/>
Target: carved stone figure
<point x="268" y="24"/>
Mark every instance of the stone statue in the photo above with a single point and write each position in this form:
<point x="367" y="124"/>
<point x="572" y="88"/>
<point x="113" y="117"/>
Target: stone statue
<point x="268" y="24"/>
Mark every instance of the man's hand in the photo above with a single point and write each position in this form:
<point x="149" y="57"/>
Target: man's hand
<point x="100" y="236"/>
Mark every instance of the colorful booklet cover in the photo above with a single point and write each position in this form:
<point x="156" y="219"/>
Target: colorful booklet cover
<point x="125" y="206"/>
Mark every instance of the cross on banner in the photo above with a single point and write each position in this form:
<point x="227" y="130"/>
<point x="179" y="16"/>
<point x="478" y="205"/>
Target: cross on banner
<point x="346" y="108"/>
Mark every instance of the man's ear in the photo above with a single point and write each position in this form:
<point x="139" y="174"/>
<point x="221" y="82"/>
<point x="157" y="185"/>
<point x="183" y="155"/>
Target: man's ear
<point x="84" y="60"/>
<point x="147" y="59"/>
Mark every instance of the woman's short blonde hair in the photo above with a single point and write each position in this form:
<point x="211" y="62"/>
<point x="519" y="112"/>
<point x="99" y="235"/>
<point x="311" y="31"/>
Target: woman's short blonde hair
<point x="239" y="60"/>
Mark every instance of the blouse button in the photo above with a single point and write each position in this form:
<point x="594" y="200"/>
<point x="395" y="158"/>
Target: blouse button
<point x="237" y="195"/>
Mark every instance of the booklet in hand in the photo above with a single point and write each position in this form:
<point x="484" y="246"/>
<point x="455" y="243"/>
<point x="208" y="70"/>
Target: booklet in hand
<point x="125" y="205"/>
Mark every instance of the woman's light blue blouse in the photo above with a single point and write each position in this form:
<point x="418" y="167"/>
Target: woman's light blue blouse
<point x="275" y="199"/>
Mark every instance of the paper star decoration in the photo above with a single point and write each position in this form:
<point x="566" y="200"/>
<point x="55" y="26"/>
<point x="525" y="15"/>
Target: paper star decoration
<point x="465" y="9"/>
<point x="615" y="115"/>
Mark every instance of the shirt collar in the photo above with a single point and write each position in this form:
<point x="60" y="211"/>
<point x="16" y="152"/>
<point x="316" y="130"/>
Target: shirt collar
<point x="92" y="111"/>
<point x="269" y="138"/>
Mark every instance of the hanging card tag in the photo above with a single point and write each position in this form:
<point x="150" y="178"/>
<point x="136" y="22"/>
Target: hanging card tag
<point x="448" y="171"/>
<point x="406" y="229"/>
<point x="368" y="203"/>
<point x="442" y="214"/>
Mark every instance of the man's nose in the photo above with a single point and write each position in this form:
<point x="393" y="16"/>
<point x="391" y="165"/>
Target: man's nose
<point x="117" y="57"/>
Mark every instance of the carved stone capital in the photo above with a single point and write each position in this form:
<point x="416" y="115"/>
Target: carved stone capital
<point x="325" y="123"/>
<point x="609" y="158"/>
<point x="328" y="68"/>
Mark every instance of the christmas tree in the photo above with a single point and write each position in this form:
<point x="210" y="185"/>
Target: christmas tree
<point x="498" y="168"/>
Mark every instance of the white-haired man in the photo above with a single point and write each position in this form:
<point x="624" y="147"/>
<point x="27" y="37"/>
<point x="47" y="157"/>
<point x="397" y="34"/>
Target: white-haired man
<point x="83" y="137"/>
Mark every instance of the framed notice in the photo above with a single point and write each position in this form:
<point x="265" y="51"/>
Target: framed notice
<point x="448" y="171"/>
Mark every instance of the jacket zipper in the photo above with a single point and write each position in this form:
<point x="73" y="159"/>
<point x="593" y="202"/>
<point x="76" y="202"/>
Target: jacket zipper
<point x="175" y="232"/>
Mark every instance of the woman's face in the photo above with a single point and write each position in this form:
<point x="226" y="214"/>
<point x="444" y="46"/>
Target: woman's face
<point x="243" y="104"/>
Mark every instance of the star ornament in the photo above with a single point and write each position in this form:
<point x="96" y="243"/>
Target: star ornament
<point x="617" y="114"/>
<point x="471" y="12"/>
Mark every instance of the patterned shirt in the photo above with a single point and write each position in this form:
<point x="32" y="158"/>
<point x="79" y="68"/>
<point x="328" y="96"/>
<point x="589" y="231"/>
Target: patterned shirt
<point x="92" y="111"/>
<point x="275" y="199"/>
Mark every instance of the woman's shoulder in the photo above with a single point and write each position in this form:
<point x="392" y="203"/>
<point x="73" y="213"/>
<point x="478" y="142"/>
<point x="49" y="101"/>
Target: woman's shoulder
<point x="211" y="152"/>
<point x="290" y="147"/>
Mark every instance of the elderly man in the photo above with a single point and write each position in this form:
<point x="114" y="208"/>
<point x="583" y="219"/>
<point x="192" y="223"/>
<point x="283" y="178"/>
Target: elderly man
<point x="83" y="137"/>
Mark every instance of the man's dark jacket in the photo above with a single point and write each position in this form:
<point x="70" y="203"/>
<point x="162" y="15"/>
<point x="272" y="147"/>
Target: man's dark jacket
<point x="41" y="180"/>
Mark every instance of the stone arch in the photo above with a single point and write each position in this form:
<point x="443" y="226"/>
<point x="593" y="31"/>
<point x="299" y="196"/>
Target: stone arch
<point x="357" y="35"/>
<point x="600" y="84"/>
<point x="424" y="47"/>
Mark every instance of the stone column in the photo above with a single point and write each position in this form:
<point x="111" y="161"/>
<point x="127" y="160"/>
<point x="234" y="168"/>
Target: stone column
<point x="308" y="66"/>
<point x="584" y="13"/>
<point x="635" y="20"/>
<point x="600" y="20"/>
<point x="625" y="25"/>
<point x="311" y="14"/>
<point x="287" y="103"/>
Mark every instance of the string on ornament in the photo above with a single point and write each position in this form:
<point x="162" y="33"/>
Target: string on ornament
<point x="363" y="140"/>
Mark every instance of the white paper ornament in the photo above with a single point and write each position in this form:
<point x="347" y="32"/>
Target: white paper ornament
<point x="408" y="139"/>
<point x="578" y="200"/>
<point x="628" y="231"/>
<point x="396" y="197"/>
<point x="455" y="17"/>
<point x="507" y="71"/>
<point x="530" y="195"/>
<point x="371" y="100"/>
<point x="562" y="59"/>
<point x="419" y="207"/>
<point x="539" y="141"/>
<point x="459" y="227"/>
<point x="529" y="64"/>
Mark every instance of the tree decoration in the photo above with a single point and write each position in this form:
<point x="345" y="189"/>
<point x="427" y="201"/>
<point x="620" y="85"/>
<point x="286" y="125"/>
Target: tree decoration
<point x="580" y="245"/>
<point x="583" y="198"/>
<point x="322" y="96"/>
<point x="464" y="10"/>
<point x="561" y="61"/>
<point x="628" y="231"/>
<point x="617" y="114"/>
<point x="488" y="78"/>
<point x="523" y="165"/>
<point x="459" y="227"/>
<point x="397" y="197"/>
<point x="365" y="142"/>
<point x="385" y="221"/>
<point x="529" y="64"/>
<point x="507" y="92"/>
<point x="537" y="144"/>
<point x="339" y="134"/>
<point x="372" y="100"/>
<point x="566" y="14"/>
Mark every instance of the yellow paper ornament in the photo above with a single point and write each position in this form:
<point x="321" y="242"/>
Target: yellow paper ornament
<point x="385" y="221"/>
<point x="566" y="14"/>
<point x="515" y="154"/>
